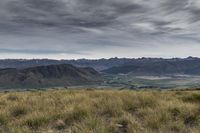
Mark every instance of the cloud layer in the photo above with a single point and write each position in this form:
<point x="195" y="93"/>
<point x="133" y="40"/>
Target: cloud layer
<point x="99" y="28"/>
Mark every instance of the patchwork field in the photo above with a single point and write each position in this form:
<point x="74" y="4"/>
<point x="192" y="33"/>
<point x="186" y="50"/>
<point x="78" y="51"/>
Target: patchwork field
<point x="100" y="111"/>
<point x="162" y="82"/>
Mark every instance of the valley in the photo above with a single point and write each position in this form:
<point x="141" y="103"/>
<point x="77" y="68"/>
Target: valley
<point x="153" y="82"/>
<point x="141" y="73"/>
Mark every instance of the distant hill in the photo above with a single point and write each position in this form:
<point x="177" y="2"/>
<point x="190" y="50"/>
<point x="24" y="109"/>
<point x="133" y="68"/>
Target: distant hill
<point x="98" y="65"/>
<point x="188" y="65"/>
<point x="47" y="76"/>
<point x="158" y="66"/>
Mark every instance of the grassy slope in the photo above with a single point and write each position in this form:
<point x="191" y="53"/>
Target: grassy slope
<point x="100" y="111"/>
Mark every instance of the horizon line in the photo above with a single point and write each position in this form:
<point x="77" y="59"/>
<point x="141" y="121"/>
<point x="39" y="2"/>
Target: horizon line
<point x="101" y="58"/>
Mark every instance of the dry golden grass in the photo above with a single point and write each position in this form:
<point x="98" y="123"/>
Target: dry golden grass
<point x="100" y="111"/>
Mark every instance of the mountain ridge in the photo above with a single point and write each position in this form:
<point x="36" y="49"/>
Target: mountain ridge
<point x="97" y="64"/>
<point x="158" y="67"/>
<point x="47" y="76"/>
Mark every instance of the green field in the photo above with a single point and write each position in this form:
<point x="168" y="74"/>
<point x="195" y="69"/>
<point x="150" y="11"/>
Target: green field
<point x="160" y="82"/>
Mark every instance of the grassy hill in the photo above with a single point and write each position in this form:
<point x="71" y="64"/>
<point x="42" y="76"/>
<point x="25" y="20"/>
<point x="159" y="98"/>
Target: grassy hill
<point x="100" y="111"/>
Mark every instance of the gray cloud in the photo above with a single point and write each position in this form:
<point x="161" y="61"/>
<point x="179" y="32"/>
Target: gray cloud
<point x="28" y="51"/>
<point x="98" y="28"/>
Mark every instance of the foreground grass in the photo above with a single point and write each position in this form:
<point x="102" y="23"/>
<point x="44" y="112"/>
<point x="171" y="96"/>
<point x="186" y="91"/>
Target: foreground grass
<point x="100" y="111"/>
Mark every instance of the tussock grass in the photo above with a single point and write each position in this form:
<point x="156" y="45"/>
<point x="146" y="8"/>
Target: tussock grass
<point x="3" y="118"/>
<point x="18" y="110"/>
<point x="192" y="98"/>
<point x="36" y="121"/>
<point x="12" y="97"/>
<point x="100" y="111"/>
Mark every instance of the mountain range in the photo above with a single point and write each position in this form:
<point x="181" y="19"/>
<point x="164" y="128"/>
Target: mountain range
<point x="190" y="65"/>
<point x="158" y="66"/>
<point x="98" y="64"/>
<point x="44" y="76"/>
<point x="39" y="73"/>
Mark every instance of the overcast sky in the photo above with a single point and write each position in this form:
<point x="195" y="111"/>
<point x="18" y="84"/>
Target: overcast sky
<point x="99" y="28"/>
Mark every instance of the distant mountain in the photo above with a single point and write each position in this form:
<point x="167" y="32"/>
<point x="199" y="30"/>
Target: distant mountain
<point x="188" y="65"/>
<point x="48" y="76"/>
<point x="158" y="66"/>
<point x="98" y="65"/>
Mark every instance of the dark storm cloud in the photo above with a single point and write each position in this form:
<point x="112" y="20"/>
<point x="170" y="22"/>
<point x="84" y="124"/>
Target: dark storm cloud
<point x="94" y="26"/>
<point x="58" y="13"/>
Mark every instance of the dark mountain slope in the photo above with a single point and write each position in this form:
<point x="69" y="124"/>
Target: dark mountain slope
<point x="100" y="64"/>
<point x="158" y="67"/>
<point x="46" y="76"/>
<point x="152" y="64"/>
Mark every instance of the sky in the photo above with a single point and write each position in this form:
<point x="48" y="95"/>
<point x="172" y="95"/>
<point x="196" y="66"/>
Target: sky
<point x="73" y="29"/>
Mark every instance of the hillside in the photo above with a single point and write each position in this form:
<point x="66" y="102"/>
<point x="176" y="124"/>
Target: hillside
<point x="190" y="66"/>
<point x="99" y="65"/>
<point x="100" y="111"/>
<point x="47" y="76"/>
<point x="112" y="65"/>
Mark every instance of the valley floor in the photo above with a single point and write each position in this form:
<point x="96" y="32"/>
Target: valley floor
<point x="100" y="111"/>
